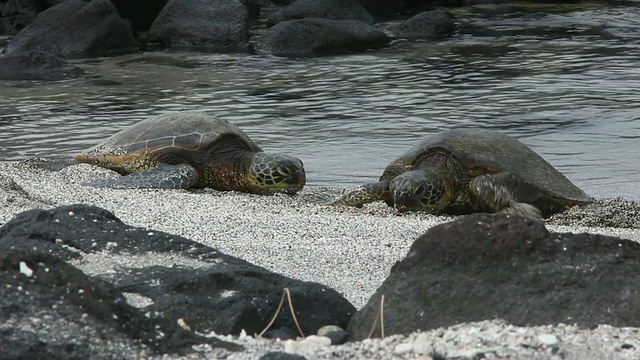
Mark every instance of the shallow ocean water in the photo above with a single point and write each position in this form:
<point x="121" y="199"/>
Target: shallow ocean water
<point x="570" y="89"/>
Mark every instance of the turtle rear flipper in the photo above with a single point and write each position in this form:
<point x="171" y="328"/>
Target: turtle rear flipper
<point x="504" y="192"/>
<point x="365" y="194"/>
<point x="163" y="176"/>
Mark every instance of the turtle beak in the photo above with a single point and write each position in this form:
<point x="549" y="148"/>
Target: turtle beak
<point x="296" y="182"/>
<point x="406" y="202"/>
<point x="400" y="202"/>
<point x="302" y="178"/>
<point x="299" y="178"/>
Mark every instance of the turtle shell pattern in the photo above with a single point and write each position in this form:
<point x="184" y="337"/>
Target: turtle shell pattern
<point x="483" y="151"/>
<point x="131" y="150"/>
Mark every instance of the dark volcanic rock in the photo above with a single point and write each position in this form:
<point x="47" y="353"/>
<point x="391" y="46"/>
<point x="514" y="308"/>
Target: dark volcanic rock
<point x="17" y="14"/>
<point x="49" y="305"/>
<point x="281" y="356"/>
<point x="36" y="66"/>
<point x="181" y="279"/>
<point x="325" y="9"/>
<point x="75" y="27"/>
<point x="495" y="266"/>
<point x="221" y="25"/>
<point x="314" y="37"/>
<point x="281" y="333"/>
<point x="51" y="310"/>
<point x="255" y="7"/>
<point x="434" y="24"/>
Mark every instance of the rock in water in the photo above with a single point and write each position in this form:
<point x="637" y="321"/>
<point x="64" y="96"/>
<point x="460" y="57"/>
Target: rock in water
<point x="34" y="65"/>
<point x="221" y="25"/>
<point x="75" y="27"/>
<point x="429" y="25"/>
<point x="317" y="37"/>
<point x="323" y="9"/>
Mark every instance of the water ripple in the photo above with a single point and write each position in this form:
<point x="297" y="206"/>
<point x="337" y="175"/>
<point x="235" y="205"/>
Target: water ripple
<point x="574" y="99"/>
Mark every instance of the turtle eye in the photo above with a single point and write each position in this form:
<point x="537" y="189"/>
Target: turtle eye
<point x="284" y="170"/>
<point x="420" y="189"/>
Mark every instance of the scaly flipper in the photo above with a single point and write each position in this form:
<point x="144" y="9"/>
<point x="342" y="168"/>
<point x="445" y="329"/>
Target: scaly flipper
<point x="365" y="194"/>
<point x="163" y="176"/>
<point x="506" y="193"/>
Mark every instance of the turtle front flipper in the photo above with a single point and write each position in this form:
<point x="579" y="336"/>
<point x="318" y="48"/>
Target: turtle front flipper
<point x="163" y="176"/>
<point x="506" y="193"/>
<point x="365" y="194"/>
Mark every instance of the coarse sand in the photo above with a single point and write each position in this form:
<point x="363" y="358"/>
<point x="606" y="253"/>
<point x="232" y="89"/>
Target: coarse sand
<point x="349" y="249"/>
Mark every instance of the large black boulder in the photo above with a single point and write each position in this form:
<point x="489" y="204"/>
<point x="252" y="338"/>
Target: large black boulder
<point x="495" y="266"/>
<point x="317" y="37"/>
<point x="221" y="25"/>
<point x="51" y="310"/>
<point x="75" y="27"/>
<point x="35" y="65"/>
<point x="181" y="279"/>
<point x="17" y="14"/>
<point x="325" y="9"/>
<point x="428" y="25"/>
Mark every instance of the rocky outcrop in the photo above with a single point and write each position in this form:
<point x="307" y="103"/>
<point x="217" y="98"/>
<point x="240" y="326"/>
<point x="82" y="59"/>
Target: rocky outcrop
<point x="316" y="37"/>
<point x="17" y="14"/>
<point x="138" y="285"/>
<point x="3" y="31"/>
<point x="35" y="65"/>
<point x="429" y="25"/>
<point x="325" y="9"/>
<point x="75" y="27"/>
<point x="51" y="310"/>
<point x="483" y="267"/>
<point x="216" y="26"/>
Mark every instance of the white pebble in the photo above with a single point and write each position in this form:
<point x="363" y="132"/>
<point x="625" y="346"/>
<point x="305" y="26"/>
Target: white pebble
<point x="548" y="339"/>
<point x="422" y="344"/>
<point x="403" y="348"/>
<point x="25" y="269"/>
<point x="309" y="344"/>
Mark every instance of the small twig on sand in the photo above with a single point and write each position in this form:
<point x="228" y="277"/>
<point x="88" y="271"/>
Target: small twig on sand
<point x="379" y="315"/>
<point x="286" y="293"/>
<point x="274" y="316"/>
<point x="293" y="313"/>
<point x="382" y="316"/>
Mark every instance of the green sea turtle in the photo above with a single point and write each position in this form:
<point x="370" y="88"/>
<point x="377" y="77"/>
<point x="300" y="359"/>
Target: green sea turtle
<point x="473" y="170"/>
<point x="192" y="150"/>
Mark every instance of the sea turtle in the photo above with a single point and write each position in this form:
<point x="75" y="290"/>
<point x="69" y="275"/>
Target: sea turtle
<point x="192" y="150"/>
<point x="471" y="170"/>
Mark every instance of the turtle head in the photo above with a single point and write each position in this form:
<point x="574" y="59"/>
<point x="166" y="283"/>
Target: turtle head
<point x="418" y="190"/>
<point x="277" y="173"/>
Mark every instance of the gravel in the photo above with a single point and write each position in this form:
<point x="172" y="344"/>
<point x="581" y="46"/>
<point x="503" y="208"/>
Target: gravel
<point x="351" y="250"/>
